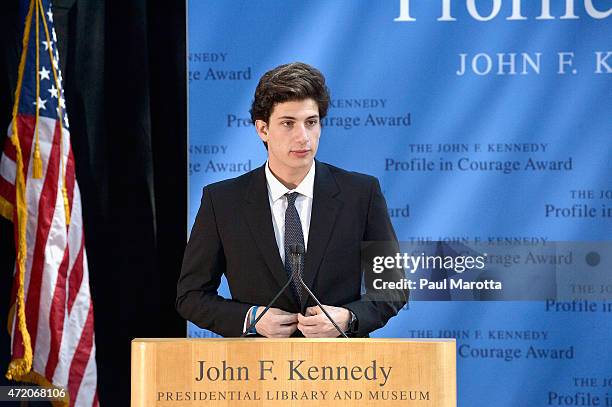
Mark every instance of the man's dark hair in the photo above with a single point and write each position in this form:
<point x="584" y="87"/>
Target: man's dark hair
<point x="289" y="82"/>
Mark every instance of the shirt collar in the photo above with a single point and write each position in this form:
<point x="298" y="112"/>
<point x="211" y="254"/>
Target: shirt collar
<point x="277" y="189"/>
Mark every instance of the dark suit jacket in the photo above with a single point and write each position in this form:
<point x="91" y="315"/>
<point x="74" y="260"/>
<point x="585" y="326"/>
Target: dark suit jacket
<point x="233" y="235"/>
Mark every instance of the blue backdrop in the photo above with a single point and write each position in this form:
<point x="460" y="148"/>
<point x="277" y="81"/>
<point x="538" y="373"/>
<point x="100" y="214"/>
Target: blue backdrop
<point x="483" y="120"/>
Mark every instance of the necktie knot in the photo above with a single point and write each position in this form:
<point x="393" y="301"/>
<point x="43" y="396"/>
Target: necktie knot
<point x="291" y="197"/>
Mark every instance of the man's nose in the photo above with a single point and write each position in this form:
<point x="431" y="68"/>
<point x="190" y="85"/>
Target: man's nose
<point x="302" y="133"/>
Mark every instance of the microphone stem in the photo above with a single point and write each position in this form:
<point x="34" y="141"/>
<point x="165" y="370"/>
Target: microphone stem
<point x="314" y="297"/>
<point x="252" y="324"/>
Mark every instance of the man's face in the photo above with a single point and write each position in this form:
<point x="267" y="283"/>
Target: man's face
<point x="292" y="135"/>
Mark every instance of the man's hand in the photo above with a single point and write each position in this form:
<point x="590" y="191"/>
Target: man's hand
<point x="316" y="324"/>
<point x="276" y="323"/>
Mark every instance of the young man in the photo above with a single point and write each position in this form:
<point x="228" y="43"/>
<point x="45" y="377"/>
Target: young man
<point x="246" y="226"/>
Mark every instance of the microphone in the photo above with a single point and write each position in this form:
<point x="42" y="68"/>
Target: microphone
<point x="297" y="250"/>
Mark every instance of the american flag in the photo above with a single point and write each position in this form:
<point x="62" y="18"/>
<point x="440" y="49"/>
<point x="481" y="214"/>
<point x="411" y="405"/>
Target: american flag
<point x="51" y="314"/>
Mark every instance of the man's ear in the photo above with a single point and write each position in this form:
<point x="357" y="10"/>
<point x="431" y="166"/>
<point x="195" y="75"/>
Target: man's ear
<point x="262" y="130"/>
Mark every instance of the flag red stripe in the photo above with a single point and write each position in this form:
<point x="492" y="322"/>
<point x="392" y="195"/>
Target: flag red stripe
<point x="9" y="149"/>
<point x="70" y="177"/>
<point x="7" y="191"/>
<point x="26" y="127"/>
<point x="76" y="276"/>
<point x="81" y="356"/>
<point x="56" y="316"/>
<point x="18" y="349"/>
<point x="46" y="208"/>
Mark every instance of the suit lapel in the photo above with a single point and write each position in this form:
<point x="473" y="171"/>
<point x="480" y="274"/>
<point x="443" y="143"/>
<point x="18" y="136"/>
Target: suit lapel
<point x="259" y="218"/>
<point x="325" y="208"/>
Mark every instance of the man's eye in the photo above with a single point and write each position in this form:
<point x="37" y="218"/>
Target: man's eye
<point x="311" y="123"/>
<point x="287" y="124"/>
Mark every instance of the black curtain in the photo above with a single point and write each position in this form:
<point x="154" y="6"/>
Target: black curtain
<point x="124" y="68"/>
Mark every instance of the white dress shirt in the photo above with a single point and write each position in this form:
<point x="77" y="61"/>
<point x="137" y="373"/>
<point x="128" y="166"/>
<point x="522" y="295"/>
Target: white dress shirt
<point x="278" y="205"/>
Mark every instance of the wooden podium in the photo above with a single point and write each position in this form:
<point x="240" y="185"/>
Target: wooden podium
<point x="293" y="372"/>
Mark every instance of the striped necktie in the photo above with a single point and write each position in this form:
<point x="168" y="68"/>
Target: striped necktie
<point x="293" y="236"/>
